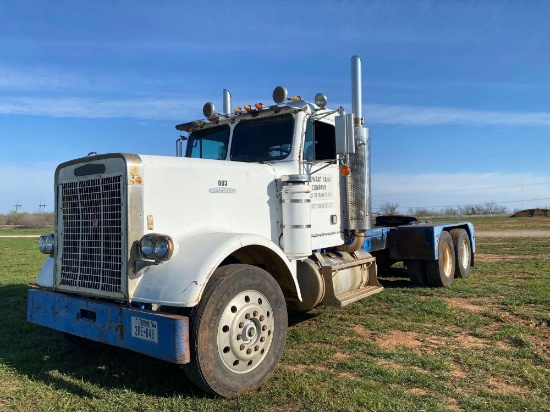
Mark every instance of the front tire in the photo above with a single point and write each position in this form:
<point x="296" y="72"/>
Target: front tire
<point x="441" y="272"/>
<point x="237" y="331"/>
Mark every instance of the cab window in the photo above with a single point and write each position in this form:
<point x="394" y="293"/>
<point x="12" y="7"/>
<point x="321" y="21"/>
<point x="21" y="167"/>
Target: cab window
<point x="320" y="141"/>
<point x="263" y="140"/>
<point x="209" y="143"/>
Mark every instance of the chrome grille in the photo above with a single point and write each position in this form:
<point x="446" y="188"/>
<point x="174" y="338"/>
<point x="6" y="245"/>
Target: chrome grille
<point x="92" y="235"/>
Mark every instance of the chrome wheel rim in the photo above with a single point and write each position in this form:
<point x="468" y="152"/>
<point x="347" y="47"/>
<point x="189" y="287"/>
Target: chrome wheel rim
<point x="465" y="262"/>
<point x="447" y="260"/>
<point x="245" y="331"/>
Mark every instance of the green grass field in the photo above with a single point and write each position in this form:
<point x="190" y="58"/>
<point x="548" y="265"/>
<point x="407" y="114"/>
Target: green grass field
<point x="483" y="344"/>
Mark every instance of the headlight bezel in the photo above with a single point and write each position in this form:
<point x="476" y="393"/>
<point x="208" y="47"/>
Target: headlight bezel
<point x="155" y="246"/>
<point x="46" y="243"/>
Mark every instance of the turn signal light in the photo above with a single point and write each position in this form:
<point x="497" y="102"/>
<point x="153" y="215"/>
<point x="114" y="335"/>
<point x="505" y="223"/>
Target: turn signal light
<point x="345" y="170"/>
<point x="295" y="98"/>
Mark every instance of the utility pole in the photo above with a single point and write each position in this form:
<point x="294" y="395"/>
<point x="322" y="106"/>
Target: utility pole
<point x="17" y="207"/>
<point x="42" y="207"/>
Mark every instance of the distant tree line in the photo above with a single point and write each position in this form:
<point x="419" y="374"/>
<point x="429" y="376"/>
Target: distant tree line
<point x="487" y="208"/>
<point x="28" y="220"/>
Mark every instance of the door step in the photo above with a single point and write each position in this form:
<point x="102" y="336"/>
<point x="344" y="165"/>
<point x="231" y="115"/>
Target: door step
<point x="369" y="286"/>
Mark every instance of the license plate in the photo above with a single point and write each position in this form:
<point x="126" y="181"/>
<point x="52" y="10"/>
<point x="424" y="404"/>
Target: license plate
<point x="144" y="329"/>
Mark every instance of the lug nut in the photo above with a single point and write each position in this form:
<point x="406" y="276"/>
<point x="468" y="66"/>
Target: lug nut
<point x="242" y="346"/>
<point x="262" y="339"/>
<point x="247" y="316"/>
<point x="241" y="325"/>
<point x="239" y="336"/>
<point x="256" y="348"/>
<point x="263" y="328"/>
<point x="262" y="318"/>
<point x="248" y="351"/>
<point x="255" y="314"/>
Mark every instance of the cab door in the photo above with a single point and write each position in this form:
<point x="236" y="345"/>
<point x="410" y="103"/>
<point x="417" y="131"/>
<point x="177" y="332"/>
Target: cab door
<point x="319" y="161"/>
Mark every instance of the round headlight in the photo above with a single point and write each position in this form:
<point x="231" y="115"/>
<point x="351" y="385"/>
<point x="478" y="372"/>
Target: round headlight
<point x="162" y="248"/>
<point x="146" y="246"/>
<point x="45" y="244"/>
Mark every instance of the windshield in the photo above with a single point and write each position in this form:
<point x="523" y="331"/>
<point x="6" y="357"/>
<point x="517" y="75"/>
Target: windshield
<point x="261" y="140"/>
<point x="209" y="143"/>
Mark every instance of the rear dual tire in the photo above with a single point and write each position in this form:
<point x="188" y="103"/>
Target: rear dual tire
<point x="463" y="252"/>
<point x="441" y="272"/>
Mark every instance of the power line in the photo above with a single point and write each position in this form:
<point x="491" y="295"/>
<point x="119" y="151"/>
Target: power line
<point x="461" y="190"/>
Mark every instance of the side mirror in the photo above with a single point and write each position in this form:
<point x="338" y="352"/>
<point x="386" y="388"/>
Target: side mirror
<point x="345" y="139"/>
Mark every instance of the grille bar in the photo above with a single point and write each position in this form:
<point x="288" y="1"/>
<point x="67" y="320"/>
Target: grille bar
<point x="92" y="237"/>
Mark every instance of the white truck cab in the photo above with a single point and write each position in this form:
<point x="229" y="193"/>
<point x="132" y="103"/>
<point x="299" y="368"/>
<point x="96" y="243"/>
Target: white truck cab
<point x="194" y="258"/>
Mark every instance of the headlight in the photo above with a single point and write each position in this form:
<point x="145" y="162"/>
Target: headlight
<point x="45" y="243"/>
<point x="155" y="246"/>
<point x="162" y="248"/>
<point x="146" y="246"/>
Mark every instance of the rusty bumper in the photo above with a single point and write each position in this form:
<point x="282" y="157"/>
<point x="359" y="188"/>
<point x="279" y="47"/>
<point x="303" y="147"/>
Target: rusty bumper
<point x="159" y="335"/>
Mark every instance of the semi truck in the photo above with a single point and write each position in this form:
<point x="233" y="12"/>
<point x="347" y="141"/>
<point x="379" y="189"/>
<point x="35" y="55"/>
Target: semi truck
<point x="195" y="258"/>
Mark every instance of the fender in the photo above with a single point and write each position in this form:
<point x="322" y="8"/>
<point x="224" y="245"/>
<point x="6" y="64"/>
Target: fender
<point x="181" y="280"/>
<point x="45" y="277"/>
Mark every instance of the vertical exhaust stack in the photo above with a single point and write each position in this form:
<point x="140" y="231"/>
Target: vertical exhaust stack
<point x="359" y="182"/>
<point x="226" y="102"/>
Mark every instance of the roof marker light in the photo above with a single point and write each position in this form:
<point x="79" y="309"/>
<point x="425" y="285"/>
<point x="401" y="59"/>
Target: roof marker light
<point x="238" y="110"/>
<point x="247" y="107"/>
<point x="259" y="106"/>
<point x="321" y="100"/>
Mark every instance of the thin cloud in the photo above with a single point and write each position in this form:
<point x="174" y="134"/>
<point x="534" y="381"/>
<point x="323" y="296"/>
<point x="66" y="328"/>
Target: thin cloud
<point x="153" y="109"/>
<point x="427" y="116"/>
<point x="32" y="79"/>
<point x="427" y="190"/>
<point x="184" y="108"/>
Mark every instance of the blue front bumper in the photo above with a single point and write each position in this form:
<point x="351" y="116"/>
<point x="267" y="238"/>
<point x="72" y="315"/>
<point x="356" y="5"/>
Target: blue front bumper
<point x="159" y="335"/>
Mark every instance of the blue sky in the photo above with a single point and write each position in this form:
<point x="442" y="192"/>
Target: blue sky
<point x="456" y="93"/>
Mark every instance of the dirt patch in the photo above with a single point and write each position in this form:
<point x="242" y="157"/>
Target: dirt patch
<point x="398" y="338"/>
<point x="339" y="356"/>
<point x="541" y="345"/>
<point x="462" y="303"/>
<point x="417" y="391"/>
<point x="469" y="341"/>
<point x="390" y="365"/>
<point x="304" y="368"/>
<point x="513" y="233"/>
<point x="348" y="375"/>
<point x="489" y="257"/>
<point x="495" y="385"/>
<point x="362" y="332"/>
<point x="457" y="373"/>
<point x="532" y="213"/>
<point x="453" y="405"/>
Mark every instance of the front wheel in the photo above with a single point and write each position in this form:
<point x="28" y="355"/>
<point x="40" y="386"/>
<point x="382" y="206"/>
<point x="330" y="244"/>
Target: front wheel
<point x="237" y="331"/>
